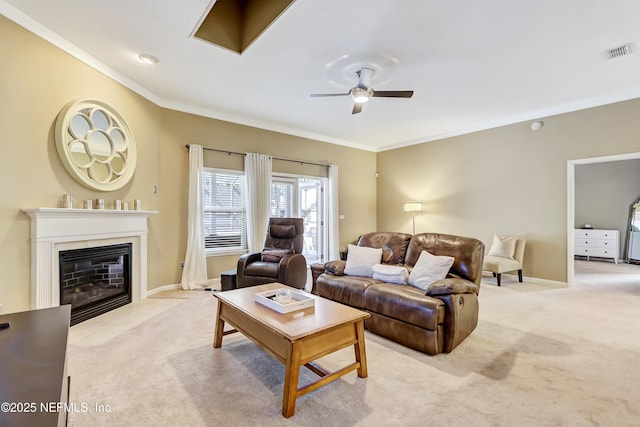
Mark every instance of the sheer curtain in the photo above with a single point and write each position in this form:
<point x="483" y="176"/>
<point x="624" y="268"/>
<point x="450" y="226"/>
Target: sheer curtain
<point x="194" y="274"/>
<point x="257" y="171"/>
<point x="334" y="225"/>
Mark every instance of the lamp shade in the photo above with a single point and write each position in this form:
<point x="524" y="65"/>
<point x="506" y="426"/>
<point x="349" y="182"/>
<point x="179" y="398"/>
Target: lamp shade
<point x="413" y="207"/>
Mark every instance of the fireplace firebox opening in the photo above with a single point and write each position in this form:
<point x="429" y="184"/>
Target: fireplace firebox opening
<point x="95" y="280"/>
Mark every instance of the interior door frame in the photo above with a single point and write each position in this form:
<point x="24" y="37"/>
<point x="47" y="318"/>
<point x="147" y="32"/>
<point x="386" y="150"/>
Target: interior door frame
<point x="322" y="211"/>
<point x="321" y="241"/>
<point x="571" y="202"/>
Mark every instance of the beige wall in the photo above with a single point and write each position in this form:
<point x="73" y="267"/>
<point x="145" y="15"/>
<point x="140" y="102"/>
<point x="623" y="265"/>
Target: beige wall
<point x="508" y="180"/>
<point x="357" y="183"/>
<point x="37" y="80"/>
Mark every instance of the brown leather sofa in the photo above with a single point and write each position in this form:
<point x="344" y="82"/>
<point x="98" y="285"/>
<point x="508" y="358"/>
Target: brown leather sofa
<point x="432" y="322"/>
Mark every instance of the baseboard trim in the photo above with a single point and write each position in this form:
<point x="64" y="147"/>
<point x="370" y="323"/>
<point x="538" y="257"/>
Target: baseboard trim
<point x="162" y="288"/>
<point x="531" y="279"/>
<point x="214" y="284"/>
<point x="544" y="281"/>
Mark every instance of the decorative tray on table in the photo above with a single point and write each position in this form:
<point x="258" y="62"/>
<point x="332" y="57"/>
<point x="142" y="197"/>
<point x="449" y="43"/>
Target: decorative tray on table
<point x="284" y="300"/>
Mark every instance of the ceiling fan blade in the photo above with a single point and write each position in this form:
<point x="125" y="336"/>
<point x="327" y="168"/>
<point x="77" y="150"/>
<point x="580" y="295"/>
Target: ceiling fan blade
<point x="318" y="95"/>
<point x="365" y="75"/>
<point x="357" y="107"/>
<point x="393" y="93"/>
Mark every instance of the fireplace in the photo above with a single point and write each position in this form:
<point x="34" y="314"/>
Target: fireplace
<point x="55" y="230"/>
<point x="95" y="280"/>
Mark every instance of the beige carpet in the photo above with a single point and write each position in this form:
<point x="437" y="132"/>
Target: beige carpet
<point x="549" y="357"/>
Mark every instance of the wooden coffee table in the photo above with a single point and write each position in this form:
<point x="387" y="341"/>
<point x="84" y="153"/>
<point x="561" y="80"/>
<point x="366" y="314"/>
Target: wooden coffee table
<point x="297" y="338"/>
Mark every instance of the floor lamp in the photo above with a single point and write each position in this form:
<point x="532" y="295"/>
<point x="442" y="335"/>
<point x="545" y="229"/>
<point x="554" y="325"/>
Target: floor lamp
<point x="413" y="207"/>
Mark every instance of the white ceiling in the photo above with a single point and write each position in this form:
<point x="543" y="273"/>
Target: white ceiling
<point x="473" y="64"/>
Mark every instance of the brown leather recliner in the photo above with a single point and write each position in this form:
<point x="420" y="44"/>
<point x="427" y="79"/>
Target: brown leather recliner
<point x="281" y="260"/>
<point x="434" y="321"/>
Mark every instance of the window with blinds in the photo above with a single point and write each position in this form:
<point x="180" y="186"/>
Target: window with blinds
<point x="224" y="210"/>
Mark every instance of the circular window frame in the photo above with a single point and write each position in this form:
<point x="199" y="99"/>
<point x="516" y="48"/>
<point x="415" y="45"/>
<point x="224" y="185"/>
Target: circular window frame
<point x="125" y="151"/>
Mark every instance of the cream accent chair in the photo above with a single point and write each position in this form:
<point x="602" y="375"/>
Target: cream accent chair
<point x="506" y="254"/>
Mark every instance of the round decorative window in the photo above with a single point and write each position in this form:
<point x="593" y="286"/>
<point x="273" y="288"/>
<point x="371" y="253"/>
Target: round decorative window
<point x="95" y="145"/>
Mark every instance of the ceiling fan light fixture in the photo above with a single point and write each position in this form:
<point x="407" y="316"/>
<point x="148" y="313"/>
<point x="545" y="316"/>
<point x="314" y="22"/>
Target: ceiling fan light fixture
<point x="363" y="91"/>
<point x="361" y="95"/>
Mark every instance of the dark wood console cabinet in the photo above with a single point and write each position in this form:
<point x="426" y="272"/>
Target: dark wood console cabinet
<point x="33" y="375"/>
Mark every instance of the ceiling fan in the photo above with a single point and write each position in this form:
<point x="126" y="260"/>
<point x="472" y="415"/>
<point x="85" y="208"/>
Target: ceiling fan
<point x="363" y="91"/>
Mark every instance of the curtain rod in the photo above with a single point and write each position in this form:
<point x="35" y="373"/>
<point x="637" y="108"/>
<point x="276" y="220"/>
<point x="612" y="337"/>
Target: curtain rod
<point x="302" y="162"/>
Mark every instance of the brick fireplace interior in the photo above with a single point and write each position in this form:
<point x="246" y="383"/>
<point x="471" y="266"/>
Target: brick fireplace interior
<point x="95" y="280"/>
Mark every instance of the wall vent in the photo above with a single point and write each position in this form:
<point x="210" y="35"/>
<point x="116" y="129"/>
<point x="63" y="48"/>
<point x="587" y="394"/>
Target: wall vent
<point x="623" y="50"/>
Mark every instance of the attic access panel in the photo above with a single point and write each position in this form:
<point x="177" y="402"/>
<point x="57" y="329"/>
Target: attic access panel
<point x="235" y="24"/>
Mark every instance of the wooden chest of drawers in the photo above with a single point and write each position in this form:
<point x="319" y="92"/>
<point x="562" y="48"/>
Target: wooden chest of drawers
<point x="597" y="243"/>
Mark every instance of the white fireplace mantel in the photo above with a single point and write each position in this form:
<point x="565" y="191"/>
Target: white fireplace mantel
<point x="55" y="229"/>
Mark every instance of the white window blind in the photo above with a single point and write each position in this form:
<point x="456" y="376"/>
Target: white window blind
<point x="224" y="210"/>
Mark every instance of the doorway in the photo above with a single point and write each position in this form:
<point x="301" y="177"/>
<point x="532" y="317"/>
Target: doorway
<point x="586" y="271"/>
<point x="303" y="197"/>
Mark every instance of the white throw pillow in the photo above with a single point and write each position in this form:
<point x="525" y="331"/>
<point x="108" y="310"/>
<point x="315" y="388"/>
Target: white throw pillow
<point x="428" y="269"/>
<point x="390" y="273"/>
<point x="503" y="246"/>
<point x="361" y="259"/>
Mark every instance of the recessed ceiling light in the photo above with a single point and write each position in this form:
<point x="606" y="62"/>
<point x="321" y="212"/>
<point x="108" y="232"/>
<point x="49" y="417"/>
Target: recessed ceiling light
<point x="536" y="125"/>
<point x="148" y="58"/>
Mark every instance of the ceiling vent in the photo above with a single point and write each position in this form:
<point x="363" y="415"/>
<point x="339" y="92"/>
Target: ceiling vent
<point x="623" y="50"/>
